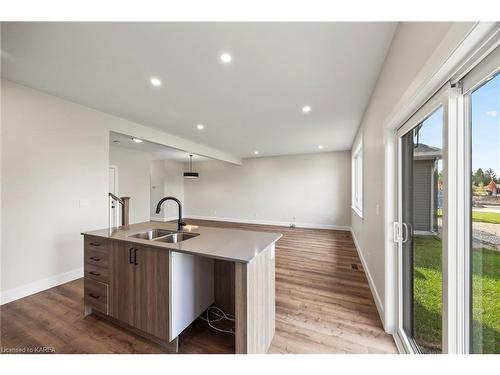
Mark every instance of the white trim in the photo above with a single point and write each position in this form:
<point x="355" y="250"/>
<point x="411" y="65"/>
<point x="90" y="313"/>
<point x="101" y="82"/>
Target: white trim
<point x="271" y="222"/>
<point x="39" y="286"/>
<point x="115" y="192"/>
<point x="357" y="177"/>
<point x="480" y="54"/>
<point x="399" y="344"/>
<point x="371" y="284"/>
<point x="453" y="224"/>
<point x="485" y="70"/>
<point x="427" y="83"/>
<point x="433" y="168"/>
<point x="391" y="216"/>
<point x="357" y="211"/>
<point x="467" y="214"/>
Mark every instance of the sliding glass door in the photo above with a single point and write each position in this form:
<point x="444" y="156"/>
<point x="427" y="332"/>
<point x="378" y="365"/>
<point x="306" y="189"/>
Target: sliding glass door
<point x="448" y="210"/>
<point x="421" y="213"/>
<point x="482" y="98"/>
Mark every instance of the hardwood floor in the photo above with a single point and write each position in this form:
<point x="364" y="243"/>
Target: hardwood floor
<point x="323" y="305"/>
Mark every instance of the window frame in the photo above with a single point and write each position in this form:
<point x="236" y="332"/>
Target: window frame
<point x="469" y="83"/>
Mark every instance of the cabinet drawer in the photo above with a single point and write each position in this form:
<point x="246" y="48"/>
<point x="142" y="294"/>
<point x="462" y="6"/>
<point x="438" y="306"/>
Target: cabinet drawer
<point x="95" y="243"/>
<point x="96" y="273"/>
<point x="96" y="257"/>
<point x="96" y="295"/>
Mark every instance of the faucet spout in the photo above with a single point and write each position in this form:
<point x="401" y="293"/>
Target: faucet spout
<point x="180" y="221"/>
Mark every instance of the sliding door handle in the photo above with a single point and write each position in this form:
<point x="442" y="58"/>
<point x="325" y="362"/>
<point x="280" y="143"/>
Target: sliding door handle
<point x="395" y="231"/>
<point x="135" y="257"/>
<point x="405" y="232"/>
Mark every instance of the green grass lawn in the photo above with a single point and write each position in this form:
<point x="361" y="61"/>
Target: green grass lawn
<point x="486" y="217"/>
<point x="479" y="216"/>
<point x="428" y="296"/>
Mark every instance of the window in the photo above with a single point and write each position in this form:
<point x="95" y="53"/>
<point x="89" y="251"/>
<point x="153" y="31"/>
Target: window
<point x="357" y="179"/>
<point x="484" y="217"/>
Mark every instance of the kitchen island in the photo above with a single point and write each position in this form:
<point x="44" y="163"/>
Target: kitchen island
<point x="156" y="280"/>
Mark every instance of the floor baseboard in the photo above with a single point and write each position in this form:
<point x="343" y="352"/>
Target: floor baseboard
<point x="39" y="286"/>
<point x="376" y="297"/>
<point x="270" y="222"/>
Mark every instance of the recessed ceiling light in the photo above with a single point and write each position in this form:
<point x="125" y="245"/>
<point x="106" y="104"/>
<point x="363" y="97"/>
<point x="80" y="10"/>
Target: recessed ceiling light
<point x="156" y="82"/>
<point x="256" y="152"/>
<point x="200" y="126"/>
<point x="137" y="140"/>
<point x="226" y="58"/>
<point x="320" y="147"/>
<point x="306" y="109"/>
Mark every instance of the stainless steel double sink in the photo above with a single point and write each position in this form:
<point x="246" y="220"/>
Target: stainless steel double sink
<point x="164" y="235"/>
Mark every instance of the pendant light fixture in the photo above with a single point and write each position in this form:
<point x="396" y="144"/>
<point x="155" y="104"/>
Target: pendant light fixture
<point x="191" y="174"/>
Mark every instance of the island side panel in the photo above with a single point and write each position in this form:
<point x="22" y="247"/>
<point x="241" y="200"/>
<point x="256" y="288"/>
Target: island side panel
<point x="255" y="303"/>
<point x="240" y="308"/>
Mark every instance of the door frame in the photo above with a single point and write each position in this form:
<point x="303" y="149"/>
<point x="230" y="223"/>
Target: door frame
<point x="487" y="67"/>
<point x="470" y="43"/>
<point x="117" y="219"/>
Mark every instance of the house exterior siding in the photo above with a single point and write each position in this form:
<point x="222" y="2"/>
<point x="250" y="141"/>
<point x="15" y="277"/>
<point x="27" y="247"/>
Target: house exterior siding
<point x="422" y="198"/>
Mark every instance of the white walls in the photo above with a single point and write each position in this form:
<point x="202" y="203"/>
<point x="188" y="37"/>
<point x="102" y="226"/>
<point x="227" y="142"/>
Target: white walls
<point x="133" y="179"/>
<point x="55" y="157"/>
<point x="412" y="50"/>
<point x="315" y="188"/>
<point x="157" y="178"/>
<point x="166" y="179"/>
<point x="54" y="186"/>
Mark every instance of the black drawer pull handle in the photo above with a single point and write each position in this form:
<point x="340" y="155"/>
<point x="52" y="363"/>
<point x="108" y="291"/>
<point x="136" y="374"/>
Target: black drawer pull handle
<point x="95" y="259"/>
<point x="93" y="296"/>
<point x="95" y="273"/>
<point x="130" y="255"/>
<point x="95" y="244"/>
<point x="135" y="257"/>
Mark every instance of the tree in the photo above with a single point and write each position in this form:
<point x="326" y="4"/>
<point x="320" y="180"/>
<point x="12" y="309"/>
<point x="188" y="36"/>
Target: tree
<point x="488" y="176"/>
<point x="478" y="177"/>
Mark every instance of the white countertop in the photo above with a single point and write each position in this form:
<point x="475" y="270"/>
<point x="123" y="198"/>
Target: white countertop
<point x="220" y="243"/>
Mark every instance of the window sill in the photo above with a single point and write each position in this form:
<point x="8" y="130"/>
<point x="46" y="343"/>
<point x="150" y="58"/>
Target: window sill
<point x="358" y="211"/>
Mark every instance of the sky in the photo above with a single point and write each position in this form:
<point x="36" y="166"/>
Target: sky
<point x="431" y="132"/>
<point x="485" y="109"/>
<point x="486" y="126"/>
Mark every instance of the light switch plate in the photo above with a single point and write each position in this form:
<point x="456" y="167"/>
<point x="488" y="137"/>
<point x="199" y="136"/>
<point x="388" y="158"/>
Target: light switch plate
<point x="83" y="202"/>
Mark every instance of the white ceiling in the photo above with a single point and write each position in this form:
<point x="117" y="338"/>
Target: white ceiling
<point x="157" y="151"/>
<point x="254" y="103"/>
